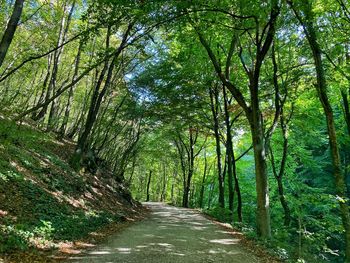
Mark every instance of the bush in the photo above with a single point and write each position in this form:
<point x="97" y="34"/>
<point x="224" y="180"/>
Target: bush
<point x="222" y="214"/>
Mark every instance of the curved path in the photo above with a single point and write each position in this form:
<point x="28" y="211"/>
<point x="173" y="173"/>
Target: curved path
<point x="170" y="234"/>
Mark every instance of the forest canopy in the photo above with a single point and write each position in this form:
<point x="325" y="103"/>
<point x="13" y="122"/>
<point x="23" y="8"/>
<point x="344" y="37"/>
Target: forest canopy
<point x="239" y="108"/>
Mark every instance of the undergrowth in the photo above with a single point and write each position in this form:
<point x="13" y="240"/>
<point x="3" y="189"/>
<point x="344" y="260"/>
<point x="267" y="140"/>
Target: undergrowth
<point x="42" y="200"/>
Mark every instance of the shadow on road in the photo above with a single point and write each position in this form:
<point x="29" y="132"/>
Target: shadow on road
<point x="171" y="234"/>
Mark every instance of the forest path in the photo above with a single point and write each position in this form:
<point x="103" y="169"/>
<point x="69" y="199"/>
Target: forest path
<point x="170" y="234"/>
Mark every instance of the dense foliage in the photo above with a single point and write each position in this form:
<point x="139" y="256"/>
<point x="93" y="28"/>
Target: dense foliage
<point x="240" y="108"/>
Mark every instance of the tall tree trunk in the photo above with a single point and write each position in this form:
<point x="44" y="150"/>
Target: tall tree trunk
<point x="109" y="126"/>
<point x="163" y="195"/>
<point x="346" y="109"/>
<point x="340" y="188"/>
<point x="65" y="23"/>
<point x="237" y="189"/>
<point x="231" y="163"/>
<point x="173" y="182"/>
<point x="63" y="128"/>
<point x="93" y="110"/>
<point x="262" y="190"/>
<point x="211" y="192"/>
<point x="191" y="157"/>
<point x="215" y="111"/>
<point x="35" y="115"/>
<point x="263" y="43"/>
<point x="10" y="29"/>
<point x="279" y="174"/>
<point x="148" y="186"/>
<point x="97" y="97"/>
<point x="74" y="129"/>
<point x="133" y="164"/>
<point x="229" y="151"/>
<point x="201" y="193"/>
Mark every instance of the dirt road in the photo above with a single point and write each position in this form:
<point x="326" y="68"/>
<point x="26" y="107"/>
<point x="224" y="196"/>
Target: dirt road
<point x="170" y="234"/>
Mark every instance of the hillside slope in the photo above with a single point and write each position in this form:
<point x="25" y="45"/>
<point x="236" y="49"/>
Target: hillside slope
<point x="44" y="203"/>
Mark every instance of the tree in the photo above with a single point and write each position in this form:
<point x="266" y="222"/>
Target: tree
<point x="10" y="30"/>
<point x="311" y="34"/>
<point x="253" y="112"/>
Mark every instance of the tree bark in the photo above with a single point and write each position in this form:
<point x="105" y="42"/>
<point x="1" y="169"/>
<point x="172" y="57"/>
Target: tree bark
<point x="201" y="193"/>
<point x="185" y="202"/>
<point x="263" y="43"/>
<point x="346" y="109"/>
<point x="148" y="186"/>
<point x="65" y="23"/>
<point x="163" y="195"/>
<point x="279" y="174"/>
<point x="97" y="98"/>
<point x="340" y="188"/>
<point x="214" y="102"/>
<point x="10" y="29"/>
<point x="63" y="128"/>
<point x="229" y="151"/>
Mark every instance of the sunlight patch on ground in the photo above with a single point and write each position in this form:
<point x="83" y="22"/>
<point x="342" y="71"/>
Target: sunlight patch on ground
<point x="141" y="246"/>
<point x="223" y="232"/>
<point x="67" y="248"/>
<point x="3" y="213"/>
<point x="84" y="245"/>
<point x="177" y="254"/>
<point x="166" y="214"/>
<point x="196" y="223"/>
<point x="224" y="241"/>
<point x="199" y="228"/>
<point x="165" y="245"/>
<point x="124" y="250"/>
<point x="100" y="253"/>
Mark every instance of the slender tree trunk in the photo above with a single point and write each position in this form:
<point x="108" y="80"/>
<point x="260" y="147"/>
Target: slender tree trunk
<point x="109" y="127"/>
<point x="65" y="23"/>
<point x="346" y="109"/>
<point x="340" y="187"/>
<point x="211" y="191"/>
<point x="237" y="189"/>
<point x="287" y="216"/>
<point x="173" y="182"/>
<point x="132" y="170"/>
<point x="192" y="194"/>
<point x="10" y="29"/>
<point x="252" y="111"/>
<point x="280" y="174"/>
<point x="201" y="193"/>
<point x="163" y="195"/>
<point x="35" y="115"/>
<point x="187" y="189"/>
<point x="93" y="110"/>
<point x="148" y="186"/>
<point x="191" y="157"/>
<point x="53" y="76"/>
<point x="74" y="129"/>
<point x="215" y="111"/>
<point x="229" y="151"/>
<point x="284" y="128"/>
<point x="98" y="97"/>
<point x="62" y="130"/>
